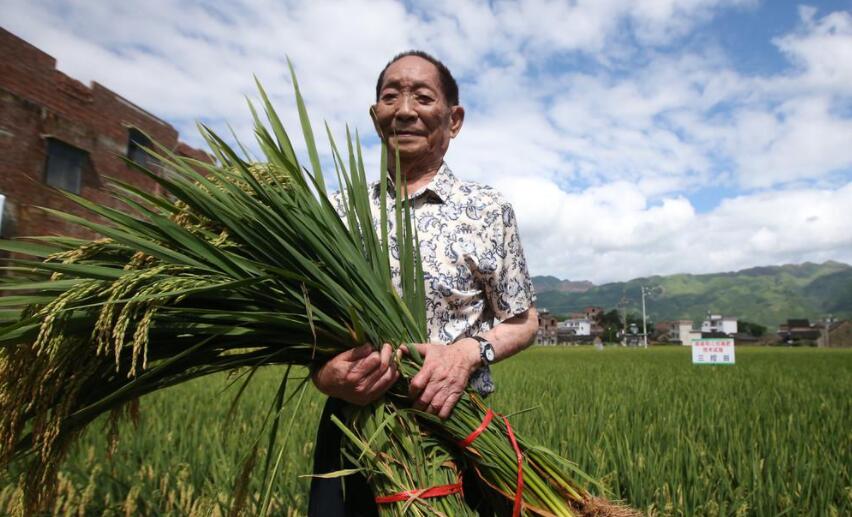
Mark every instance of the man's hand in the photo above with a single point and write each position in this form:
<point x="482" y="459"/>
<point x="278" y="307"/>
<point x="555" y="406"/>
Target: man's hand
<point x="358" y="376"/>
<point x="443" y="378"/>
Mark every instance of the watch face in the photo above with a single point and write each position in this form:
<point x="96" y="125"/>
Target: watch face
<point x="489" y="354"/>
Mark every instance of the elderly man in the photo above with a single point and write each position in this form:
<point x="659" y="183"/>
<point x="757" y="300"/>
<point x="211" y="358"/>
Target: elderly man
<point x="480" y="298"/>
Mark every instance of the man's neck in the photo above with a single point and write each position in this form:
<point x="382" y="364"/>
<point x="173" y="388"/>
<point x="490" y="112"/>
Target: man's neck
<point x="417" y="177"/>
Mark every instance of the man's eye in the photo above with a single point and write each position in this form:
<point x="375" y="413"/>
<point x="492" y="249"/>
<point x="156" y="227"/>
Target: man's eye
<point x="425" y="99"/>
<point x="389" y="97"/>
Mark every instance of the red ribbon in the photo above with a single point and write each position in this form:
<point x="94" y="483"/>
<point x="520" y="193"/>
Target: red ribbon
<point x="464" y="444"/>
<point x="445" y="490"/>
<point x="435" y="491"/>
<point x="516" y="510"/>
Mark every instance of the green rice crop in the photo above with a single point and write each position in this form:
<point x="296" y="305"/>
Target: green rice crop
<point x="770" y="435"/>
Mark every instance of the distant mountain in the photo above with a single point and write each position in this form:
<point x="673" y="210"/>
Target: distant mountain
<point x="551" y="283"/>
<point x="766" y="295"/>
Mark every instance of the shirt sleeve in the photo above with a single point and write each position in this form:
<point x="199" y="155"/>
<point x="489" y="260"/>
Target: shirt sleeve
<point x="508" y="287"/>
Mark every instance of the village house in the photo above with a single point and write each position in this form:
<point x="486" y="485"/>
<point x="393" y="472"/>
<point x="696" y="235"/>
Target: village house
<point x="577" y="327"/>
<point x="686" y="332"/>
<point x="574" y="330"/>
<point x="591" y="314"/>
<point x="676" y="331"/>
<point x="663" y="331"/>
<point x="716" y="324"/>
<point x="838" y="334"/>
<point x="799" y="330"/>
<point x="58" y="133"/>
<point x="547" y="328"/>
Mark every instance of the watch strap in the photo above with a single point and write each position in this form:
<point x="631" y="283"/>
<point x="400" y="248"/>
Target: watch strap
<point x="483" y="343"/>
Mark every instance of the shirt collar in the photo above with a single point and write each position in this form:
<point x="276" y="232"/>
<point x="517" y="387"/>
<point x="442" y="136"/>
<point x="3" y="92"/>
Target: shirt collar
<point x="443" y="182"/>
<point x="441" y="185"/>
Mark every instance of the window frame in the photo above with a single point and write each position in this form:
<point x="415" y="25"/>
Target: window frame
<point x="137" y="141"/>
<point x="53" y="146"/>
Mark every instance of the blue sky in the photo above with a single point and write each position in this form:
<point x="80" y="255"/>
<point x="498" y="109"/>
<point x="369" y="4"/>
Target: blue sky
<point x="632" y="137"/>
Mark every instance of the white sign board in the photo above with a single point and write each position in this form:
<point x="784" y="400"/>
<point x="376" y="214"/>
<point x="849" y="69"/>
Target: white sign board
<point x="2" y="206"/>
<point x="713" y="351"/>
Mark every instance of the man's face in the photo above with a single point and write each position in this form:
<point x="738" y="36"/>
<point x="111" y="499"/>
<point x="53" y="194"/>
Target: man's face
<point x="412" y="115"/>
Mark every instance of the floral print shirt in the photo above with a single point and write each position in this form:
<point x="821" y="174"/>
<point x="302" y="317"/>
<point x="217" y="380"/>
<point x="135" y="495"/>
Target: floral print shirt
<point x="473" y="264"/>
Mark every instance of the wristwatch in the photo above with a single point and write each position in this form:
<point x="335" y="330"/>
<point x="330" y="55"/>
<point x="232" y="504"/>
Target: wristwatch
<point x="486" y="350"/>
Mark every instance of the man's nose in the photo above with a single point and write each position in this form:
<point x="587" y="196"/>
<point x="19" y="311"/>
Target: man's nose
<point x="405" y="109"/>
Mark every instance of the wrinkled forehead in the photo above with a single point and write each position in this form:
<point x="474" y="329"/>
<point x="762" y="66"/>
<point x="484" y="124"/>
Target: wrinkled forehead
<point x="412" y="72"/>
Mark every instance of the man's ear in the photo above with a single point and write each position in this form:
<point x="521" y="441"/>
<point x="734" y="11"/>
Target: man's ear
<point x="456" y="120"/>
<point x="376" y="122"/>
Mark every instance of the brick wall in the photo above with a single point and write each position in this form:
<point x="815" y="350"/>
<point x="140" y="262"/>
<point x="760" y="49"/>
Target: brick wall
<point x="38" y="102"/>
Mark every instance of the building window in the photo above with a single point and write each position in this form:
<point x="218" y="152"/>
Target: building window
<point x="137" y="142"/>
<point x="64" y="165"/>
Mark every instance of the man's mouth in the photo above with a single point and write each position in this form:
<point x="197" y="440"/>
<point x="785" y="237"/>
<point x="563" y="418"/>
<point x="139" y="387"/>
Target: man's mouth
<point x="406" y="133"/>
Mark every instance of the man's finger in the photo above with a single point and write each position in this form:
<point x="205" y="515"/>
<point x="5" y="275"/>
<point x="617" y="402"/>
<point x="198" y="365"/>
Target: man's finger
<point x="376" y="370"/>
<point x="387" y="353"/>
<point x="436" y="405"/>
<point x="424" y="401"/>
<point x="359" y="352"/>
<point x="419" y="381"/>
<point x="422" y="348"/>
<point x="449" y="404"/>
<point x="385" y="382"/>
<point x="366" y="365"/>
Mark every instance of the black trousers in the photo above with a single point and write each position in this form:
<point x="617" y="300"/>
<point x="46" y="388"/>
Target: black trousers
<point x="351" y="496"/>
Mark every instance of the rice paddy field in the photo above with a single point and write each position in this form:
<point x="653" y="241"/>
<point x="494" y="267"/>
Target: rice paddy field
<point x="771" y="435"/>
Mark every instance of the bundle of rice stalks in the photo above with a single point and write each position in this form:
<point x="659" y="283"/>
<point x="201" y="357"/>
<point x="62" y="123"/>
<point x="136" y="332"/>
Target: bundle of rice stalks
<point x="251" y="266"/>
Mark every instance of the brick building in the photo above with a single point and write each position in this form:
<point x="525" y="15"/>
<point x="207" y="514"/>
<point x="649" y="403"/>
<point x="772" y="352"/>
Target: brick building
<point x="838" y="334"/>
<point x="57" y="132"/>
<point x="547" y="328"/>
<point x="798" y="331"/>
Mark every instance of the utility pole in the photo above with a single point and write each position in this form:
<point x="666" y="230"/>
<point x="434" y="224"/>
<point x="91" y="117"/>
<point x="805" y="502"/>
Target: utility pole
<point x="644" y="319"/>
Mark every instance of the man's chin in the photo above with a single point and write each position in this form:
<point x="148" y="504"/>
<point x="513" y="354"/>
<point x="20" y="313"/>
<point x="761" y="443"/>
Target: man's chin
<point x="406" y="152"/>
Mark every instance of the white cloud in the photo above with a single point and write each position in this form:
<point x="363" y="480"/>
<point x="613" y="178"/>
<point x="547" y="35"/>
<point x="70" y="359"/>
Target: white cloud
<point x="822" y="48"/>
<point x="613" y="232"/>
<point x="600" y="159"/>
<point x="799" y="139"/>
